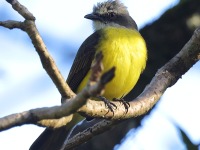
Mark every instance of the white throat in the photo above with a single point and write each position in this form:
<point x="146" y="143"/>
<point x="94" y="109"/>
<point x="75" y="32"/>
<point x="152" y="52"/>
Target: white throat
<point x="97" y="25"/>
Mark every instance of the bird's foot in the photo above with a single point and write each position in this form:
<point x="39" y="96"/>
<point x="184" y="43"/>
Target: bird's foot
<point x="111" y="106"/>
<point x="125" y="103"/>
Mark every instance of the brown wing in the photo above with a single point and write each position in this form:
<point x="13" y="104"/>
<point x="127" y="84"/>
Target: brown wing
<point x="83" y="61"/>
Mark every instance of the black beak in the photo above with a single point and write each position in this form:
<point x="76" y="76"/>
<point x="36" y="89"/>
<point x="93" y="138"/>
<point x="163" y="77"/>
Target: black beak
<point x="92" y="17"/>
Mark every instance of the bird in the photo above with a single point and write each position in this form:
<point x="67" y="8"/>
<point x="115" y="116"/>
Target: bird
<point x="117" y="37"/>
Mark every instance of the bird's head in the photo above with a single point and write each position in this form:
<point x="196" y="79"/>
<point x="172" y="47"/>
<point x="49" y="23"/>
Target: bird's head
<point x="111" y="13"/>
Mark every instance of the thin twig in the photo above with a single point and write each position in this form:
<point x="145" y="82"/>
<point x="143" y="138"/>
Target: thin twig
<point x="22" y="10"/>
<point x="47" y="61"/>
<point x="11" y="24"/>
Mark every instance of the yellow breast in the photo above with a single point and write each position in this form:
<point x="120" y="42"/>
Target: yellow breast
<point x="126" y="50"/>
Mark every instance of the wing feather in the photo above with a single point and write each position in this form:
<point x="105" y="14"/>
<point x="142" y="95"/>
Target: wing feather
<point x="83" y="61"/>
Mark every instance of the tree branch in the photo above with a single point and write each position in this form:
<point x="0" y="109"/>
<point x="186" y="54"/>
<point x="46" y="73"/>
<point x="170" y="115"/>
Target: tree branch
<point x="165" y="77"/>
<point x="89" y="133"/>
<point x="47" y="61"/>
<point x="11" y="24"/>
<point x="94" y="88"/>
<point x="22" y="10"/>
<point x="35" y="115"/>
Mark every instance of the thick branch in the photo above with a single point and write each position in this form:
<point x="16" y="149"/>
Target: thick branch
<point x="167" y="76"/>
<point x="35" y="115"/>
<point x="68" y="108"/>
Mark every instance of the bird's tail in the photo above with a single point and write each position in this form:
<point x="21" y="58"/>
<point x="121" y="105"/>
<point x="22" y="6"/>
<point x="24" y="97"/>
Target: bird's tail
<point x="53" y="139"/>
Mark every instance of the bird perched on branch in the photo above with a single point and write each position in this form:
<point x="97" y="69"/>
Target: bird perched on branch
<point x="116" y="36"/>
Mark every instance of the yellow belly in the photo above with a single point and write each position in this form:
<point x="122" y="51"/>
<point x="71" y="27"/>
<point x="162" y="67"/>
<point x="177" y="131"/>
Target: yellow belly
<point x="126" y="50"/>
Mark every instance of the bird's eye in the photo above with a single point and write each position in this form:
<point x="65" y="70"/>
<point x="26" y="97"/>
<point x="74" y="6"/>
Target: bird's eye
<point x="112" y="14"/>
